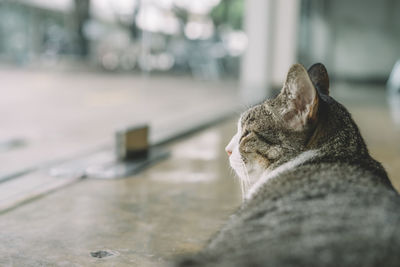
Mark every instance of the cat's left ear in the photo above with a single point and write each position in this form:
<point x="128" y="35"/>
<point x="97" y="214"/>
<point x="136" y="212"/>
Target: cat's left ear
<point x="300" y="99"/>
<point x="320" y="78"/>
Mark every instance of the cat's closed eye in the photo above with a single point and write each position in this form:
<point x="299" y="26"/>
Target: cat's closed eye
<point x="245" y="133"/>
<point x="265" y="139"/>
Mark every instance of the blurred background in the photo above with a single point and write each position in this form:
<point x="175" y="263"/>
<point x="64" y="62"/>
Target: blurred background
<point x="72" y="72"/>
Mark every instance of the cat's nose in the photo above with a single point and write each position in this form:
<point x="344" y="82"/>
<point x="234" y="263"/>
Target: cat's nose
<point x="228" y="151"/>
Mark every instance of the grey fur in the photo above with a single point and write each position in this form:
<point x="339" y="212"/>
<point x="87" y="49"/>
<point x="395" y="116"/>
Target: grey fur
<point x="337" y="209"/>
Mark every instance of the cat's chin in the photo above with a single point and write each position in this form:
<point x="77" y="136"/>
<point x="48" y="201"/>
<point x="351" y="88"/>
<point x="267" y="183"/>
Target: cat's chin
<point x="255" y="173"/>
<point x="249" y="175"/>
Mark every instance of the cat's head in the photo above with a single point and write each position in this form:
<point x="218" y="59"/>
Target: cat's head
<point x="300" y="118"/>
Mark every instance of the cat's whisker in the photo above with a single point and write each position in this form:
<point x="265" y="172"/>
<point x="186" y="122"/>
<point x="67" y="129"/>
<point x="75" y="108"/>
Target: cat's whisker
<point x="242" y="188"/>
<point x="245" y="180"/>
<point x="233" y="173"/>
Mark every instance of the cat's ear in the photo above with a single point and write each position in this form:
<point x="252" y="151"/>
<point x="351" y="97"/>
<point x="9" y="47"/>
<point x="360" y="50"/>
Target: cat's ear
<point x="300" y="99"/>
<point x="319" y="77"/>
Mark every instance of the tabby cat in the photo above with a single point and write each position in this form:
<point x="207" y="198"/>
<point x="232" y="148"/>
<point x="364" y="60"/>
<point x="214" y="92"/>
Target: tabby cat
<point x="313" y="194"/>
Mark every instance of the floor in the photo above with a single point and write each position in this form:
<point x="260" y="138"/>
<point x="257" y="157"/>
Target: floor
<point x="171" y="208"/>
<point x="51" y="116"/>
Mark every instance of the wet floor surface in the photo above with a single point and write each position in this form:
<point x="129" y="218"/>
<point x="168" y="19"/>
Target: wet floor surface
<point x="143" y="220"/>
<point x="169" y="209"/>
<point x="51" y="116"/>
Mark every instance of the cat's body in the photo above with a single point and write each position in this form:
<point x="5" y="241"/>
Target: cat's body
<point x="312" y="221"/>
<point x="315" y="197"/>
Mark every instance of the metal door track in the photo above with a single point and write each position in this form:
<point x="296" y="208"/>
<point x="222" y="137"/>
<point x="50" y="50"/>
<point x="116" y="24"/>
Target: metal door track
<point x="132" y="153"/>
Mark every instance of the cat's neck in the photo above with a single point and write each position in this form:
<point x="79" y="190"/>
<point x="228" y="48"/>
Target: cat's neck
<point x="271" y="174"/>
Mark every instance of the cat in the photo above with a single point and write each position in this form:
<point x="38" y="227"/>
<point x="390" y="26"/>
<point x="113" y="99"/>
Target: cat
<point x="313" y="195"/>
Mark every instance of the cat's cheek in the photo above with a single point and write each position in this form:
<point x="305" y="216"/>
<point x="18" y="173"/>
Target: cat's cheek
<point x="273" y="154"/>
<point x="263" y="162"/>
<point x="244" y="149"/>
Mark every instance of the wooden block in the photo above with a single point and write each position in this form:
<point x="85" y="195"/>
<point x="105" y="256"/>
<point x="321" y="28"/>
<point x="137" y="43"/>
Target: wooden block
<point x="132" y="142"/>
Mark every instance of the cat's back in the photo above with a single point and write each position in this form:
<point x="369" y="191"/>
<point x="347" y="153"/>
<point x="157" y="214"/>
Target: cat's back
<point x="326" y="214"/>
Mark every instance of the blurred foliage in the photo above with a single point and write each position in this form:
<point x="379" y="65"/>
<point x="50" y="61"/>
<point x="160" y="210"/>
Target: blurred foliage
<point x="229" y="12"/>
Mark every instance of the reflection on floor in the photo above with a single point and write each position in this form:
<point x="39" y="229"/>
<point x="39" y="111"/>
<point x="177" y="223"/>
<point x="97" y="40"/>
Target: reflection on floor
<point x="50" y="116"/>
<point x="169" y="209"/>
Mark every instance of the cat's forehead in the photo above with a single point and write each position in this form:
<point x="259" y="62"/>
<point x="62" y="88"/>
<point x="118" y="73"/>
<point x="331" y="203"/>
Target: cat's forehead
<point x="258" y="115"/>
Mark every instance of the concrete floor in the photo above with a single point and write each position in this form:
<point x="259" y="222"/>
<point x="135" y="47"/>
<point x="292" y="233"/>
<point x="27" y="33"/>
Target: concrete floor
<point x="171" y="208"/>
<point x="59" y="115"/>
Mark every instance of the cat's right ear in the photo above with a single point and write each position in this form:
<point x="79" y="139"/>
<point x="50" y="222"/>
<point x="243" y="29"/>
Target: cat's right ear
<point x="300" y="100"/>
<point x="319" y="76"/>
